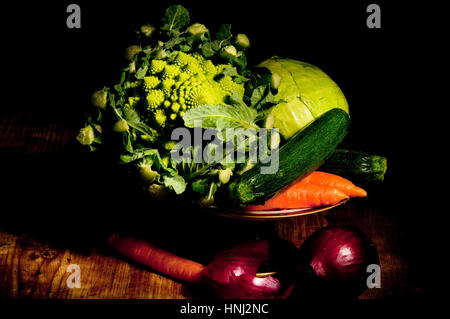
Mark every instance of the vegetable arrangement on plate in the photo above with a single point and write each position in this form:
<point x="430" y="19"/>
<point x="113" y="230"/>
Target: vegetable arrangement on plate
<point x="183" y="81"/>
<point x="331" y="263"/>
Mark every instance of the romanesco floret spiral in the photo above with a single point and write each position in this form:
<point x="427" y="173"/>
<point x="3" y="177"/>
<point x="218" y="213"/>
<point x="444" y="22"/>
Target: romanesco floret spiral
<point x="199" y="58"/>
<point x="209" y="68"/>
<point x="182" y="82"/>
<point x="167" y="85"/>
<point x="182" y="59"/>
<point x="160" y="117"/>
<point x="183" y="77"/>
<point x="132" y="101"/>
<point x="157" y="66"/>
<point x="227" y="84"/>
<point x="171" y="71"/>
<point x="151" y="82"/>
<point x="192" y="68"/>
<point x="155" y="98"/>
<point x="175" y="107"/>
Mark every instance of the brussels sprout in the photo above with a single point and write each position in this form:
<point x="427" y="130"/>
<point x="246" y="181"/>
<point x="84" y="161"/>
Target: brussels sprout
<point x="86" y="135"/>
<point x="228" y="52"/>
<point x="160" y="54"/>
<point x="131" y="52"/>
<point x="242" y="41"/>
<point x="197" y="29"/>
<point x="121" y="126"/>
<point x="148" y="29"/>
<point x="99" y="99"/>
<point x="147" y="175"/>
<point x="158" y="191"/>
<point x="225" y="175"/>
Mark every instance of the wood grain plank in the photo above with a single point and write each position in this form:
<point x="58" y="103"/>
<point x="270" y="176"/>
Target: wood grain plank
<point x="32" y="268"/>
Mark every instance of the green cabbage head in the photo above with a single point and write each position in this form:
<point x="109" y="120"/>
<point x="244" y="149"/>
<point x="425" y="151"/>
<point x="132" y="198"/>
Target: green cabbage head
<point x="304" y="93"/>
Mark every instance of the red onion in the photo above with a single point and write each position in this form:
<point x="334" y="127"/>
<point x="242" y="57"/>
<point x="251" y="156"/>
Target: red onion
<point x="339" y="257"/>
<point x="233" y="273"/>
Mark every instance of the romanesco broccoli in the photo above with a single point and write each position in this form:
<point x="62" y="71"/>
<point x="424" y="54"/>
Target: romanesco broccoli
<point x="183" y="81"/>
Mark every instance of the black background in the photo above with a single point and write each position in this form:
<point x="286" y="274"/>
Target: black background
<point x="52" y="71"/>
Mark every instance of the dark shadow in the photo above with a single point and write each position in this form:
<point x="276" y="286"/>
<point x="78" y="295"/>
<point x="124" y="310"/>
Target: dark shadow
<point x="74" y="199"/>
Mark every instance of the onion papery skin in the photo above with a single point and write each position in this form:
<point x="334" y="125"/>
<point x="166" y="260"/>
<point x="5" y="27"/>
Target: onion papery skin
<point x="339" y="256"/>
<point x="232" y="273"/>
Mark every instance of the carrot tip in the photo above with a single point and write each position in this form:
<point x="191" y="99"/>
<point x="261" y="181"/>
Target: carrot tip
<point x="359" y="192"/>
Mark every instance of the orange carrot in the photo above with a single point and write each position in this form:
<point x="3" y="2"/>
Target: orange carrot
<point x="335" y="181"/>
<point x="302" y="195"/>
<point x="157" y="259"/>
<point x="315" y="190"/>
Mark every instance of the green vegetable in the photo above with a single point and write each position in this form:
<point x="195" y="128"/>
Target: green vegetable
<point x="300" y="155"/>
<point x="242" y="41"/>
<point x="86" y="135"/>
<point x="158" y="192"/>
<point x="131" y="52"/>
<point x="148" y="29"/>
<point x="275" y="80"/>
<point x="304" y="93"/>
<point x="148" y="176"/>
<point x="233" y="115"/>
<point x="176" y="17"/>
<point x="359" y="167"/>
<point x="178" y="73"/>
<point x="182" y="82"/>
<point x="229" y="52"/>
<point x="175" y="183"/>
<point x="197" y="28"/>
<point x="99" y="98"/>
<point x="225" y="175"/>
<point x="121" y="126"/>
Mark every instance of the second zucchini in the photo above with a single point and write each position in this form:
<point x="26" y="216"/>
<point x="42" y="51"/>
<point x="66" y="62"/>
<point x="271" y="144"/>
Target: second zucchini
<point x="303" y="153"/>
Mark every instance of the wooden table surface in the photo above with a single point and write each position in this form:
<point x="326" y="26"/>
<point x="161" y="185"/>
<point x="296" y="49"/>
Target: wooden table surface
<point x="60" y="204"/>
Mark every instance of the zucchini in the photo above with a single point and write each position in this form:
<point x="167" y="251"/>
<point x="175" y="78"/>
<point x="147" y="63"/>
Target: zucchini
<point x="359" y="167"/>
<point x="303" y="153"/>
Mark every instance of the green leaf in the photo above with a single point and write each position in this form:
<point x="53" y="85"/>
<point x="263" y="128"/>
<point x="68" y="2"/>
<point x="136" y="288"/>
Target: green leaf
<point x="233" y="72"/>
<point x="175" y="183"/>
<point x="262" y="97"/>
<point x="127" y="143"/>
<point x="230" y="71"/>
<point x="201" y="186"/>
<point x="133" y="120"/>
<point x="142" y="71"/>
<point x="210" y="48"/>
<point x="207" y="50"/>
<point x="176" y="17"/>
<point x="138" y="154"/>
<point x="173" y="42"/>
<point x="240" y="61"/>
<point x="235" y="115"/>
<point x="184" y="47"/>
<point x="224" y="32"/>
